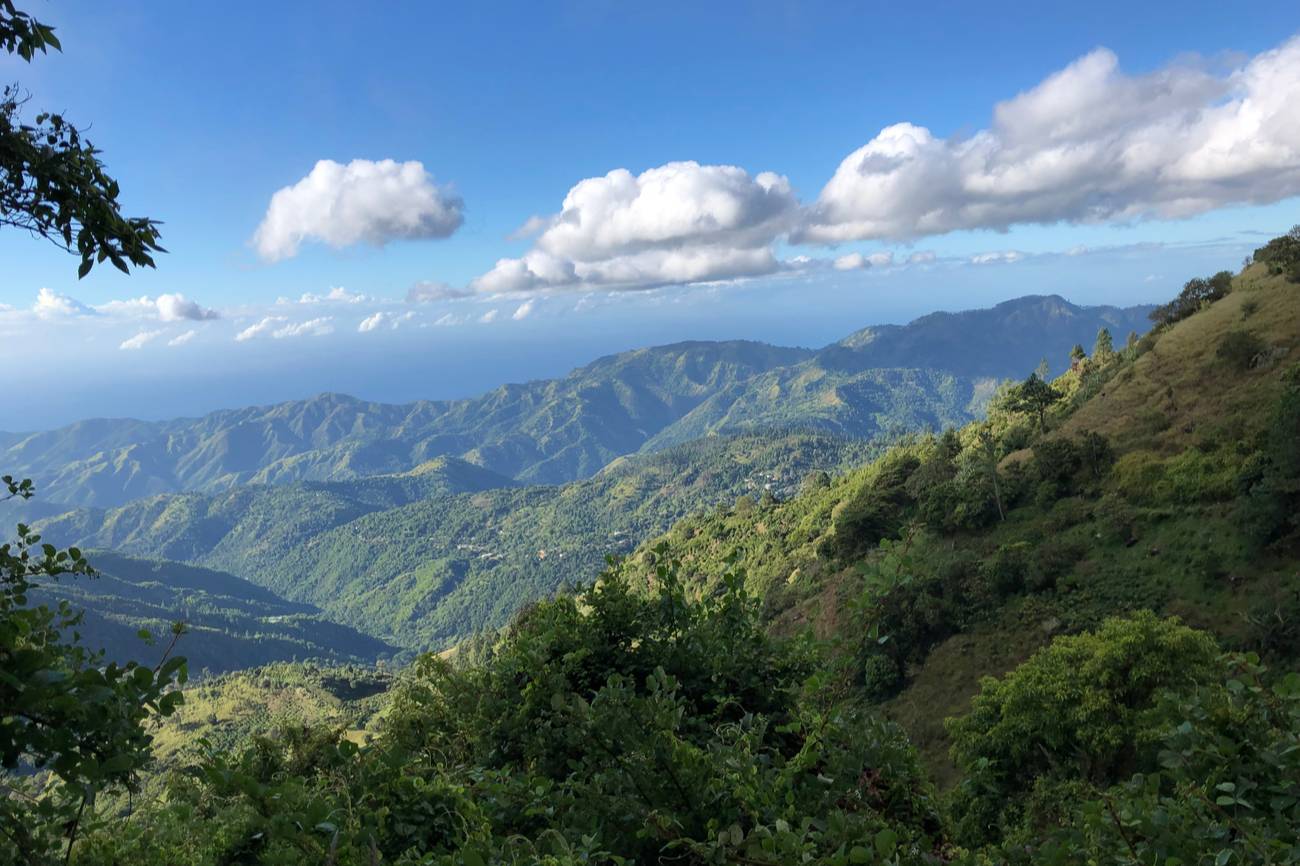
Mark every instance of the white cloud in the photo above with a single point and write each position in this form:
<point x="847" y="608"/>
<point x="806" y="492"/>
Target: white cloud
<point x="921" y="257"/>
<point x="337" y="294"/>
<point x="178" y="308"/>
<point x="361" y="202"/>
<point x="182" y="339"/>
<point x="1088" y="144"/>
<point x="50" y="304"/>
<point x="267" y="324"/>
<point x="138" y="341"/>
<point x="317" y="327"/>
<point x="856" y="261"/>
<point x="489" y="317"/>
<point x="375" y="321"/>
<point x="447" y="319"/>
<point x="433" y="291"/>
<point x="166" y="308"/>
<point x="679" y="223"/>
<point x="524" y="311"/>
<point x="1004" y="257"/>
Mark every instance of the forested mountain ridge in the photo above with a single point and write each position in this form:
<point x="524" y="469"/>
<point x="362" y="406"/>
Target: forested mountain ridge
<point x="430" y="564"/>
<point x="230" y="623"/>
<point x="563" y="429"/>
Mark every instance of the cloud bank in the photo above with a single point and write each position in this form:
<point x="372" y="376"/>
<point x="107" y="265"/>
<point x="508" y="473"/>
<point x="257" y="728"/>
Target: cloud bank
<point x="361" y="202"/>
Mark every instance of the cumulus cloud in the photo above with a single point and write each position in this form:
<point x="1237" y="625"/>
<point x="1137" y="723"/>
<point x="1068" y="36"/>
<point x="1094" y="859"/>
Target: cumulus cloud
<point x="167" y="308"/>
<point x="178" y="308"/>
<point x="426" y="291"/>
<point x="921" y="257"/>
<point x="182" y="339"/>
<point x="381" y="318"/>
<point x="857" y="261"/>
<point x="679" y="223"/>
<point x="51" y="305"/>
<point x="489" y="317"/>
<point x="256" y="330"/>
<point x="1003" y="257"/>
<point x="317" y="327"/>
<point x="337" y="294"/>
<point x="361" y="202"/>
<point x="1088" y="144"/>
<point x="139" y="340"/>
<point x="524" y="311"/>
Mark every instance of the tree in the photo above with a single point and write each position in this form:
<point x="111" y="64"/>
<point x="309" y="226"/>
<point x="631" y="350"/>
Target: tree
<point x="1033" y="397"/>
<point x="1085" y="709"/>
<point x="1104" y="349"/>
<point x="71" y="724"/>
<point x="1196" y="293"/>
<point x="1077" y="355"/>
<point x="63" y="709"/>
<point x="1043" y="371"/>
<point x="52" y="183"/>
<point x="1132" y="340"/>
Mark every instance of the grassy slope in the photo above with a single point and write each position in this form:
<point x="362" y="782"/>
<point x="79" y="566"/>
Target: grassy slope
<point x="1177" y="548"/>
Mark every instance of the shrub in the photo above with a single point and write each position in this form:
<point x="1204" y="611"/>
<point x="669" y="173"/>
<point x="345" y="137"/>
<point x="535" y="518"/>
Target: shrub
<point x="1137" y="475"/>
<point x="1005" y="570"/>
<point x="1085" y="708"/>
<point x="1239" y="349"/>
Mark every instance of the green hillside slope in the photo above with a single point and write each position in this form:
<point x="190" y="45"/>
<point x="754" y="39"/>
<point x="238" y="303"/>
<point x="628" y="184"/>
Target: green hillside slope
<point x="1160" y="484"/>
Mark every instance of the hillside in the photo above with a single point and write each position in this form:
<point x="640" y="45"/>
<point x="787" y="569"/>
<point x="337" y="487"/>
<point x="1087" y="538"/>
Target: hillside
<point x="1032" y="642"/>
<point x="564" y="429"/>
<point x="231" y="624"/>
<point x="427" y="570"/>
<point x="906" y="564"/>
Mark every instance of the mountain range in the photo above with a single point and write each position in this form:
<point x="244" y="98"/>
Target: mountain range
<point x="933" y="372"/>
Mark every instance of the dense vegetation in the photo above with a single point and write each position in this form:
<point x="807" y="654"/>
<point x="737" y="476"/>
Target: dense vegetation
<point x="428" y="564"/>
<point x="753" y="688"/>
<point x="1096" y="586"/>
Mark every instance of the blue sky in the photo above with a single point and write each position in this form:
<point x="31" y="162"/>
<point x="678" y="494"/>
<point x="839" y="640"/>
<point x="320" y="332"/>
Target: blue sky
<point x="205" y="112"/>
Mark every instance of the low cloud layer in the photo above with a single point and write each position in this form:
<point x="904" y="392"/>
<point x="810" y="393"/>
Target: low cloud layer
<point x="166" y="308"/>
<point x="361" y="202"/>
<point x="429" y="291"/>
<point x="1089" y="144"/>
<point x="52" y="305"/>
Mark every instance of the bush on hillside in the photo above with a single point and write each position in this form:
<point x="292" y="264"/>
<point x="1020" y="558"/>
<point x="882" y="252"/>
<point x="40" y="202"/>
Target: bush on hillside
<point x="1196" y="293"/>
<point x="1239" y="349"/>
<point x="1085" y="709"/>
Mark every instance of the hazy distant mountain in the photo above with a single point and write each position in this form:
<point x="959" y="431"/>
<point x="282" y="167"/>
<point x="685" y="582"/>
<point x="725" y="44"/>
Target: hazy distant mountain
<point x="932" y="372"/>
<point x="1006" y="340"/>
